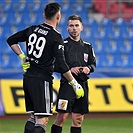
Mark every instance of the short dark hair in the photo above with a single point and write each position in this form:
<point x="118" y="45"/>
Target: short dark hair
<point x="75" y="17"/>
<point x="51" y="9"/>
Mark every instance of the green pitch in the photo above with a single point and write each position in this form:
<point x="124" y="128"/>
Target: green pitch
<point x="90" y="125"/>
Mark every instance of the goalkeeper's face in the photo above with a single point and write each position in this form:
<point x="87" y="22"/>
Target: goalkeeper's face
<point x="74" y="28"/>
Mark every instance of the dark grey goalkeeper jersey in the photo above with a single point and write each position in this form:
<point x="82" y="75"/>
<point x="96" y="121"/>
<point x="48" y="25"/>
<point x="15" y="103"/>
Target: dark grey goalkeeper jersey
<point x="43" y="45"/>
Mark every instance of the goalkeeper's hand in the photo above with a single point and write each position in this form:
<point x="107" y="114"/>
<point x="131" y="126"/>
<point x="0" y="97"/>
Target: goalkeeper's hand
<point x="77" y="88"/>
<point x="24" y="63"/>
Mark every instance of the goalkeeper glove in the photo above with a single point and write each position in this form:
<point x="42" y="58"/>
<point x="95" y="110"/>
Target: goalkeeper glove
<point x="77" y="88"/>
<point x="24" y="63"/>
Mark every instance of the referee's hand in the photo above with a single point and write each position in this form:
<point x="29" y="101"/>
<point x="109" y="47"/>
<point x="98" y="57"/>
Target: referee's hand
<point x="77" y="88"/>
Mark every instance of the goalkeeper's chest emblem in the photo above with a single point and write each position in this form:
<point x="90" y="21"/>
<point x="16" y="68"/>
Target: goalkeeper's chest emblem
<point x="85" y="57"/>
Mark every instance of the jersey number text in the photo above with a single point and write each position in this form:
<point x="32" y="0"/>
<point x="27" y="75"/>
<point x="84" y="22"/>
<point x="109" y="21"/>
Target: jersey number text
<point x="37" y="49"/>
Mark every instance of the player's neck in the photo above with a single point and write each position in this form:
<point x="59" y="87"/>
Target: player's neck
<point x="50" y="22"/>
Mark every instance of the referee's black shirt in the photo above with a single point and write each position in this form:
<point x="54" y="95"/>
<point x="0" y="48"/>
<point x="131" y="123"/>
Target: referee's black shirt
<point x="79" y="53"/>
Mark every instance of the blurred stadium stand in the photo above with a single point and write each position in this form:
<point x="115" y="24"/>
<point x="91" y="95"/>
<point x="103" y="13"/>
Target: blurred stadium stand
<point x="108" y="25"/>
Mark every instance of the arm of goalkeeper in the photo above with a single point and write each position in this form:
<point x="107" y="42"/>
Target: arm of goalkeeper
<point x="24" y="63"/>
<point x="77" y="88"/>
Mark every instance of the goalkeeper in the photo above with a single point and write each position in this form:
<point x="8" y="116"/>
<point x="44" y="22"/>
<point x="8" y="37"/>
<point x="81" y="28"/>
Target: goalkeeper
<point x="80" y="57"/>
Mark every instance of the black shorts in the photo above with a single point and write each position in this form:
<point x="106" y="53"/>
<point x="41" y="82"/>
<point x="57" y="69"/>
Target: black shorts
<point x="38" y="96"/>
<point x="67" y="101"/>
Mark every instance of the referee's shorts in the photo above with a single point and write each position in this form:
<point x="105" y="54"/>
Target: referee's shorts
<point x="67" y="101"/>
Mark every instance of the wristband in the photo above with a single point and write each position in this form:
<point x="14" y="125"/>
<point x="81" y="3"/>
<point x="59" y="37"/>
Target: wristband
<point x="21" y="56"/>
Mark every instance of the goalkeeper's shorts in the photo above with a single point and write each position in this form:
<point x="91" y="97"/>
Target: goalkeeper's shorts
<point x="38" y="96"/>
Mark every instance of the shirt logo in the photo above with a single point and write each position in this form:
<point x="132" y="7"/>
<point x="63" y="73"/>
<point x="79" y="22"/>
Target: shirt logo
<point x="62" y="104"/>
<point x="66" y="41"/>
<point x="61" y="47"/>
<point x="85" y="57"/>
<point x="36" y="29"/>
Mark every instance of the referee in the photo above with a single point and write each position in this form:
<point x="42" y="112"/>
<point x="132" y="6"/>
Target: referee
<point x="43" y="45"/>
<point x="81" y="59"/>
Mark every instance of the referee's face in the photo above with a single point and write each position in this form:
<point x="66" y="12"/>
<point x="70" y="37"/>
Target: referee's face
<point x="74" y="28"/>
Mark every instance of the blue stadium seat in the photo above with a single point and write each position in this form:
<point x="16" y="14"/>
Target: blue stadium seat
<point x="10" y="61"/>
<point x="66" y="6"/>
<point x="98" y="46"/>
<point x="88" y="32"/>
<point x="64" y="17"/>
<point x="109" y="61"/>
<point x="84" y="16"/>
<point x="101" y="36"/>
<point x="120" y="25"/>
<point x="5" y="18"/>
<point x="17" y="18"/>
<point x="100" y="32"/>
<point x="91" y="22"/>
<point x="124" y="61"/>
<point x="0" y="60"/>
<point x="2" y="32"/>
<point x="129" y="32"/>
<point x="111" y="46"/>
<point x="1" y="6"/>
<point x="77" y="7"/>
<point x="35" y="6"/>
<point x="6" y="62"/>
<point x="105" y="42"/>
<point x="131" y="22"/>
<point x="8" y="6"/>
<point x="31" y="18"/>
<point x="106" y="23"/>
<point x="5" y="49"/>
<point x="99" y="60"/>
<point x="126" y="46"/>
<point x="114" y="33"/>
<point x="9" y="30"/>
<point x="2" y="43"/>
<point x="106" y="26"/>
<point x="16" y="63"/>
<point x="120" y="22"/>
<point x="20" y="6"/>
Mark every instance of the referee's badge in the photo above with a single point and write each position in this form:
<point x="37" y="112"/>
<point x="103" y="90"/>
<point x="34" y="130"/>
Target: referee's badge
<point x="62" y="104"/>
<point x="85" y="57"/>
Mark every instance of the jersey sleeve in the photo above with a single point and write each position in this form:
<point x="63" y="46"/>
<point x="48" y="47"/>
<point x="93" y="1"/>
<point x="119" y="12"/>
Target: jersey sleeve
<point x="17" y="37"/>
<point x="60" y="63"/>
<point x="92" y="60"/>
